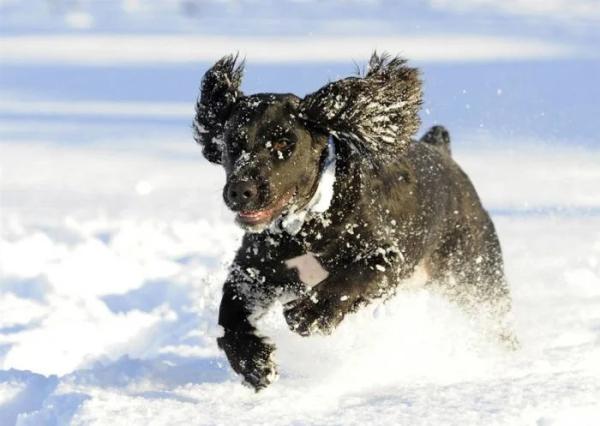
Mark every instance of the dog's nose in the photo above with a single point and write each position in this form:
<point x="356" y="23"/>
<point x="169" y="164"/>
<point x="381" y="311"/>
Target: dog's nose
<point x="243" y="192"/>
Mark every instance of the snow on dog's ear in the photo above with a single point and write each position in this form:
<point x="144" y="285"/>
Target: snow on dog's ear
<point x="219" y="92"/>
<point x="377" y="112"/>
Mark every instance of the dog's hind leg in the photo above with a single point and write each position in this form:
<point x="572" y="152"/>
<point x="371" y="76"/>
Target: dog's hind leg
<point x="468" y="268"/>
<point x="439" y="137"/>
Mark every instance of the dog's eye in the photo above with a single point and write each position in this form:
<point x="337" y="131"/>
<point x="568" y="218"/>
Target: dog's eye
<point x="281" y="149"/>
<point x="281" y="145"/>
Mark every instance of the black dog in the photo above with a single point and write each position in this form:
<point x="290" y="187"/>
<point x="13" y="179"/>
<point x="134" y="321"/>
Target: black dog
<point x="336" y="175"/>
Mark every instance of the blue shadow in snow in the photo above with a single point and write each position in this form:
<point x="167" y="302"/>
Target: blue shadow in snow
<point x="168" y="370"/>
<point x="29" y="288"/>
<point x="148" y="297"/>
<point x="57" y="410"/>
<point x="17" y="329"/>
<point x="36" y="389"/>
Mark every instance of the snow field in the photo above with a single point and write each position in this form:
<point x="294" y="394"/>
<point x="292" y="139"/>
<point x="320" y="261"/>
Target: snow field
<point x="112" y="261"/>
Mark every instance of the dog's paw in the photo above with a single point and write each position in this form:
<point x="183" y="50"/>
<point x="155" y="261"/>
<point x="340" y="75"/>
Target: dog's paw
<point x="311" y="314"/>
<point x="251" y="357"/>
<point x="259" y="373"/>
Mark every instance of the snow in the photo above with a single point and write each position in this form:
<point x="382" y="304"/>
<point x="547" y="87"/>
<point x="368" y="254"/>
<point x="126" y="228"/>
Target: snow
<point x="97" y="108"/>
<point x="114" y="239"/>
<point x="128" y="49"/>
<point x="324" y="194"/>
<point x="112" y="261"/>
<point x="560" y="10"/>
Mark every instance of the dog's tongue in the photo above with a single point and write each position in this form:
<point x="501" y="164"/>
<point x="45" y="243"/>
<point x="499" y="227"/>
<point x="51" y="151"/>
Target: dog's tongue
<point x="262" y="215"/>
<point x="255" y="215"/>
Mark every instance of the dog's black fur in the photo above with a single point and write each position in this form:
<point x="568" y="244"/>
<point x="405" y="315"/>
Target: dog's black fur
<point x="397" y="203"/>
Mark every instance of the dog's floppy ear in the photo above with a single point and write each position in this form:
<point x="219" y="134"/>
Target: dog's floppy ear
<point x="219" y="92"/>
<point x="377" y="112"/>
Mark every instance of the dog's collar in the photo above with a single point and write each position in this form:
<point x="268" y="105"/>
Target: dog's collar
<point x="320" y="201"/>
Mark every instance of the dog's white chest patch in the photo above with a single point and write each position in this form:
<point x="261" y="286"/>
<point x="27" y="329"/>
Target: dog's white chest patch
<point x="310" y="270"/>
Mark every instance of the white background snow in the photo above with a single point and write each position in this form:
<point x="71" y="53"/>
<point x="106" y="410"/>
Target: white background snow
<point x="114" y="240"/>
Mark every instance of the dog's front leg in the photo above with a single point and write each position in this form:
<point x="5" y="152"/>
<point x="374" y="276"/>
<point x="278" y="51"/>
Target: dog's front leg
<point x="341" y="292"/>
<point x="248" y="353"/>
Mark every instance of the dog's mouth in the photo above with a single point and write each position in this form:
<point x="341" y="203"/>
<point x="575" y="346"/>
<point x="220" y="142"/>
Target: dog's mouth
<point x="267" y="214"/>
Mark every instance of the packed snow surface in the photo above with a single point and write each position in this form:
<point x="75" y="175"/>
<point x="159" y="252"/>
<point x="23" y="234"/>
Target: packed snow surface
<point x="112" y="262"/>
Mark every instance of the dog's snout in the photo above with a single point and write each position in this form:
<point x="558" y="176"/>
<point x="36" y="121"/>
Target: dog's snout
<point x="242" y="193"/>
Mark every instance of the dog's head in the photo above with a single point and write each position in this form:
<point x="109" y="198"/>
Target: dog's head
<point x="273" y="145"/>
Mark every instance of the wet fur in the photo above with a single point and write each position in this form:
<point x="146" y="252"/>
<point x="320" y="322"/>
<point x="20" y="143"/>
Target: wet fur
<point x="397" y="203"/>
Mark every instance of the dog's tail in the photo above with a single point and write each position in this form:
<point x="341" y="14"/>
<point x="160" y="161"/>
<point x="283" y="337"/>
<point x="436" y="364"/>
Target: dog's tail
<point x="439" y="137"/>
